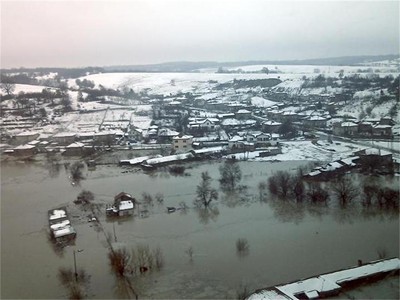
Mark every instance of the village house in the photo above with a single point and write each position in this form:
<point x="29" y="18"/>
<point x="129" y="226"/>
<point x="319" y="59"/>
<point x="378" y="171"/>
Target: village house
<point x="259" y="139"/>
<point x="104" y="137"/>
<point x="382" y="131"/>
<point x="64" y="138"/>
<point x="74" y="149"/>
<point x="240" y="144"/>
<point x="289" y="116"/>
<point x="85" y="136"/>
<point x="231" y="124"/>
<point x="374" y="158"/>
<point x="182" y="143"/>
<point x="387" y="121"/>
<point x="25" y="137"/>
<point x="345" y="128"/>
<point x="243" y="114"/>
<point x="332" y="169"/>
<point x="274" y="114"/>
<point x="124" y="205"/>
<point x="270" y="126"/>
<point x="25" y="150"/>
<point x="315" y="122"/>
<point x="203" y="125"/>
<point x="165" y="135"/>
<point x="365" y="128"/>
<point x="136" y="134"/>
<point x="152" y="132"/>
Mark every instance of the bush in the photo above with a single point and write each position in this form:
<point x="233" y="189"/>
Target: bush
<point x="85" y="197"/>
<point x="76" y="171"/>
<point x="242" y="245"/>
<point x="177" y="170"/>
<point x="119" y="261"/>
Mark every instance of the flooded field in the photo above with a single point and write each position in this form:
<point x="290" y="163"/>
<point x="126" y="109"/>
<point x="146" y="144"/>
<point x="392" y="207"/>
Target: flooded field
<point x="286" y="241"/>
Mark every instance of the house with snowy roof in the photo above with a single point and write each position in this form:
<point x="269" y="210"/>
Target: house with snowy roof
<point x="182" y="143"/>
<point x="25" y="150"/>
<point x="207" y="124"/>
<point x="74" y="149"/>
<point x="374" y="158"/>
<point x="315" y="122"/>
<point x="260" y="139"/>
<point x="123" y="205"/>
<point x="60" y="225"/>
<point x="243" y="114"/>
<point x="384" y="131"/>
<point x="345" y="128"/>
<point x="239" y="143"/>
<point x="26" y="137"/>
<point x="270" y="126"/>
<point x="165" y="135"/>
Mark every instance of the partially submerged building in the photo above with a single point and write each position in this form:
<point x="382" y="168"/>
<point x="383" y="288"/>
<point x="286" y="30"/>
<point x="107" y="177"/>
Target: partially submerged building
<point x="60" y="225"/>
<point x="123" y="205"/>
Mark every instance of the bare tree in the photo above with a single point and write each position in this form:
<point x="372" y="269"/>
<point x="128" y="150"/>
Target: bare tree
<point x="230" y="175"/>
<point x="316" y="193"/>
<point x="8" y="88"/>
<point x="205" y="193"/>
<point x="280" y="183"/>
<point x="262" y="186"/>
<point x="345" y="190"/>
<point x="66" y="102"/>
<point x="119" y="261"/>
<point x="242" y="246"/>
<point x="299" y="190"/>
<point x="76" y="171"/>
<point x="75" y="283"/>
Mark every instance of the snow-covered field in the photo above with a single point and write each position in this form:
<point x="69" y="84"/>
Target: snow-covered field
<point x="306" y="150"/>
<point x="165" y="83"/>
<point x="28" y="88"/>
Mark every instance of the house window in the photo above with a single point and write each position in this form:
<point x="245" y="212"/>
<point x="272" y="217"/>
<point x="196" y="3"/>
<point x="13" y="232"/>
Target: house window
<point x="176" y="141"/>
<point x="184" y="146"/>
<point x="184" y="141"/>
<point x="176" y="147"/>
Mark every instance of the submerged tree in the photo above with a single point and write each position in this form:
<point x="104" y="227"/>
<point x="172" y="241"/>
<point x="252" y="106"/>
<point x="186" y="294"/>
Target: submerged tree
<point x="76" y="283"/>
<point x="299" y="190"/>
<point x="76" y="171"/>
<point x="262" y="186"/>
<point x="345" y="190"/>
<point x="280" y="184"/>
<point x="230" y="175"/>
<point x="205" y="193"/>
<point x="85" y="197"/>
<point x="119" y="261"/>
<point x="316" y="193"/>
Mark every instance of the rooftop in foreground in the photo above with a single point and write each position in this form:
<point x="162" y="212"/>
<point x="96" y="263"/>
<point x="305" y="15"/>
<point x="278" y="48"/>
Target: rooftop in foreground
<point x="329" y="284"/>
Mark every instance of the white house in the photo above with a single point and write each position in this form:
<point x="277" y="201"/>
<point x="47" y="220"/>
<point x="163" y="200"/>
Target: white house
<point x="208" y="124"/>
<point x="184" y="142"/>
<point x="259" y="139"/>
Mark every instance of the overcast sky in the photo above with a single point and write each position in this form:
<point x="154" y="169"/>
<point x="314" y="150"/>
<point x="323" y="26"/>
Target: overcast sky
<point x="103" y="33"/>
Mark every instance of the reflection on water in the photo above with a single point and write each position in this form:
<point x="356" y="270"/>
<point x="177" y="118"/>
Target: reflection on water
<point x="207" y="214"/>
<point x="288" y="240"/>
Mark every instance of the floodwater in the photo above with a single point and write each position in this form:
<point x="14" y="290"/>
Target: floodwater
<point x="286" y="241"/>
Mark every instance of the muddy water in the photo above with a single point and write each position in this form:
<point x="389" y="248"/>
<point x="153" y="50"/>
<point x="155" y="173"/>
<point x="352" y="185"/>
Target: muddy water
<point x="286" y="242"/>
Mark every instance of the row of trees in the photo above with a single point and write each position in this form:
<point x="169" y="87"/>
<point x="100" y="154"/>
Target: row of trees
<point x="286" y="186"/>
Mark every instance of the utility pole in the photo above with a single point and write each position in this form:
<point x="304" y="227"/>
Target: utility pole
<point x="76" y="273"/>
